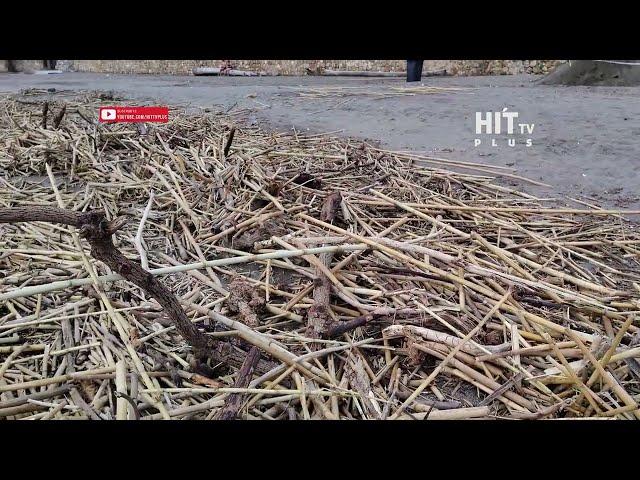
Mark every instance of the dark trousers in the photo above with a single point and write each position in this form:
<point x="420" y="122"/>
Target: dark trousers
<point x="414" y="70"/>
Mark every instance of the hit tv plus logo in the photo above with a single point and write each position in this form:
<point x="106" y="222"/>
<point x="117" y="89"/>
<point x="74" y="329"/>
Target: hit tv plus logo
<point x="504" y="122"/>
<point x="133" y="114"/>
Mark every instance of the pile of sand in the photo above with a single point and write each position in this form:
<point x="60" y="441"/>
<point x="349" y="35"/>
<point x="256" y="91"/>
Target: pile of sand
<point x="612" y="73"/>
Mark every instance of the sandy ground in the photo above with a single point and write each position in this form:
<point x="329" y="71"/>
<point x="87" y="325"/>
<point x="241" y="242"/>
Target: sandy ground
<point x="620" y="73"/>
<point x="585" y="142"/>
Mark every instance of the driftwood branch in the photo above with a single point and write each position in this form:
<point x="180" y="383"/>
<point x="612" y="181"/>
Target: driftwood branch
<point x="319" y="320"/>
<point x="215" y="71"/>
<point x="95" y="228"/>
<point x="45" y="112"/>
<point x="57" y="119"/>
<point x="227" y="145"/>
<point x="338" y="328"/>
<point x="234" y="401"/>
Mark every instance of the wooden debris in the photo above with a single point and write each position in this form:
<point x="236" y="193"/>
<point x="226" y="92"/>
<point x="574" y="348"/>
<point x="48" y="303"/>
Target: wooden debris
<point x="289" y="276"/>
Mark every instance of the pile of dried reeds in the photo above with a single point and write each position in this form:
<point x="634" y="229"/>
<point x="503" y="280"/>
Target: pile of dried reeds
<point x="332" y="279"/>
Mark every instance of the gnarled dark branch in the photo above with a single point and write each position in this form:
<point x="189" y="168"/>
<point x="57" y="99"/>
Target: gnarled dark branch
<point x="97" y="230"/>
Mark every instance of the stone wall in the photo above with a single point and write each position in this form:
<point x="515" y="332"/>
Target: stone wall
<point x="22" y="65"/>
<point x="302" y="67"/>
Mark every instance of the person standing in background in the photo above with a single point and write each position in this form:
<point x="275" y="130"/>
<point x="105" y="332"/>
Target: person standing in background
<point x="414" y="70"/>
